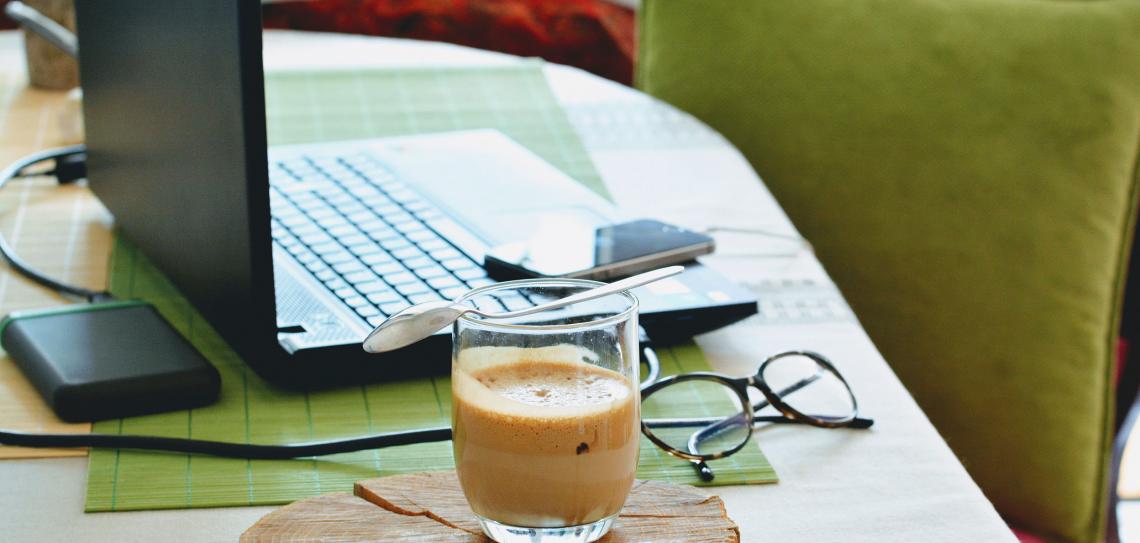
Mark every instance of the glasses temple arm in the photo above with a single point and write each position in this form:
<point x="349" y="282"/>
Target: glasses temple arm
<point x="788" y="390"/>
<point x="649" y="356"/>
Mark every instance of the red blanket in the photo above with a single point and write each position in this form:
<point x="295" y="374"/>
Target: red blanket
<point x="590" y="34"/>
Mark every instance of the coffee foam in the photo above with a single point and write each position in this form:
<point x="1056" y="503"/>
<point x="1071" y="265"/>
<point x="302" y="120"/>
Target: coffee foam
<point x="547" y="382"/>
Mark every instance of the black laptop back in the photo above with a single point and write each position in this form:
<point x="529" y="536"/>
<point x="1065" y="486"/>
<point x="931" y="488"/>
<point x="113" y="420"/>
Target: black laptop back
<point x="174" y="113"/>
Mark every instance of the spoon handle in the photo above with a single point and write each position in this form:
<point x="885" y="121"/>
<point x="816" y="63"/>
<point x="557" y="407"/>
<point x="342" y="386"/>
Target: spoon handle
<point x="604" y="290"/>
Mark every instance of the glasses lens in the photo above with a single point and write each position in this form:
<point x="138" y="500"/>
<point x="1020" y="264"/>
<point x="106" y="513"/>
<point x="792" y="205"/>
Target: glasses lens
<point x="702" y="417"/>
<point x="810" y="388"/>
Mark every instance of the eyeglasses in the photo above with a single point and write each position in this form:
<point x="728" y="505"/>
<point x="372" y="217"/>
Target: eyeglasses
<point x="706" y="416"/>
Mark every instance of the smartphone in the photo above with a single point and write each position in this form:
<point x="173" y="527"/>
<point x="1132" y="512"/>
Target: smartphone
<point x="559" y="249"/>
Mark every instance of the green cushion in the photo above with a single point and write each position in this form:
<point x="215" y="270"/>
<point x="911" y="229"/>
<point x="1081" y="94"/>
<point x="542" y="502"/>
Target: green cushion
<point x="966" y="170"/>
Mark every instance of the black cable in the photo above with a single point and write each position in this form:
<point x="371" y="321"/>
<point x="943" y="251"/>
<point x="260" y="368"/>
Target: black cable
<point x="70" y="166"/>
<point x="223" y="449"/>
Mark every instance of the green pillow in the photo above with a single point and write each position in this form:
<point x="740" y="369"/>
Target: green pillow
<point x="966" y="170"/>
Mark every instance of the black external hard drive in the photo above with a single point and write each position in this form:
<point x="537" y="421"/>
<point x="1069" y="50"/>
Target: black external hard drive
<point x="108" y="360"/>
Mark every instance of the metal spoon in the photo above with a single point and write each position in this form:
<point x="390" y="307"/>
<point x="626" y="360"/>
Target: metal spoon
<point x="422" y="320"/>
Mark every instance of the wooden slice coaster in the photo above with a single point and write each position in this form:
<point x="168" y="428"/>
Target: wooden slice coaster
<point x="429" y="507"/>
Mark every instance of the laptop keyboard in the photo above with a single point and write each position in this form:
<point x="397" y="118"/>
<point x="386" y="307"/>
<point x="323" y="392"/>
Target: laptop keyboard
<point x="375" y="244"/>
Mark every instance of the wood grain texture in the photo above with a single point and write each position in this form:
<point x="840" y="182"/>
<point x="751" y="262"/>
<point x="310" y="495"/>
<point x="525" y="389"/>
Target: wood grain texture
<point x="430" y="508"/>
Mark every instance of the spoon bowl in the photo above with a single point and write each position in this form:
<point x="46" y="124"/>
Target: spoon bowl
<point x="413" y="324"/>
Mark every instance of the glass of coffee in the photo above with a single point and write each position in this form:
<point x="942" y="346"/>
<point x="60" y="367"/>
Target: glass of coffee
<point x="546" y="411"/>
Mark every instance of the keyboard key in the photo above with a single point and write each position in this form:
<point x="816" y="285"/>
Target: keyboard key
<point x="351" y="266"/>
<point x="321" y="211"/>
<point x="422" y="236"/>
<point x="354" y="180"/>
<point x="514" y="303"/>
<point x="419" y="262"/>
<point x="307" y="229"/>
<point x="431" y="272"/>
<point x="343" y="230"/>
<point x="332" y="222"/>
<point x="403" y="196"/>
<point x="470" y="273"/>
<point x="326" y="191"/>
<point x="375" y="320"/>
<point x="443" y="282"/>
<point x="400" y="278"/>
<point x="299" y="197"/>
<point x="429" y="215"/>
<point x="418" y="205"/>
<point x="434" y="244"/>
<point x="365" y="192"/>
<point x="393" y="308"/>
<point x="388" y="268"/>
<point x="365" y="249"/>
<point x="326" y="275"/>
<point x="369" y="287"/>
<point x="456" y="264"/>
<point x="310" y="204"/>
<point x="487" y="303"/>
<point x="380" y="233"/>
<point x="377" y="258"/>
<point x="354" y="240"/>
<point x="424" y="297"/>
<point x="316" y="266"/>
<point x="406" y="253"/>
<point x="338" y="201"/>
<point x="315" y="239"/>
<point x="338" y="257"/>
<point x="407" y="289"/>
<point x="445" y="253"/>
<point x="393" y="244"/>
<point x="410" y="227"/>
<point x="295" y="221"/>
<point x="356" y="301"/>
<point x="367" y="311"/>
<point x="476" y="283"/>
<point x="344" y="293"/>
<point x="336" y="283"/>
<point x="326" y="248"/>
<point x="386" y="207"/>
<point x="360" y="277"/>
<point x="369" y="223"/>
<point x="453" y="292"/>
<point x="307" y="257"/>
<point x="351" y="208"/>
<point x="361" y="217"/>
<point x="385" y="297"/>
<point x="399" y="218"/>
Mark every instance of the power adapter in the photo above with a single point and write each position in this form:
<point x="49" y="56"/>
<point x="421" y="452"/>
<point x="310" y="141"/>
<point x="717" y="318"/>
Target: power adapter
<point x="108" y="360"/>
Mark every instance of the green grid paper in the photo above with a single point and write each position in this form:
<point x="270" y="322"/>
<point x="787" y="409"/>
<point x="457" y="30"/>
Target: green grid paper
<point x="306" y="107"/>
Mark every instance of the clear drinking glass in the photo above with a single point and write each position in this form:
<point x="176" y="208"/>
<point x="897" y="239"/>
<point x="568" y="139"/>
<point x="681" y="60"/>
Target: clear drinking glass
<point x="546" y="411"/>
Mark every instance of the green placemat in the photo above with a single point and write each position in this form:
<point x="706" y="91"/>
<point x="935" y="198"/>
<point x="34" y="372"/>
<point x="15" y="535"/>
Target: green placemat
<point x="330" y="106"/>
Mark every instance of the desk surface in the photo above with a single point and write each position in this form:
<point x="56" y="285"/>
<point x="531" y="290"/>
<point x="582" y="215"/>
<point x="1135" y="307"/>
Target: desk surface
<point x="897" y="482"/>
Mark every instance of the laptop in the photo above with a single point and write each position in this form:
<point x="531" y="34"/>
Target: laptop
<point x="294" y="253"/>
